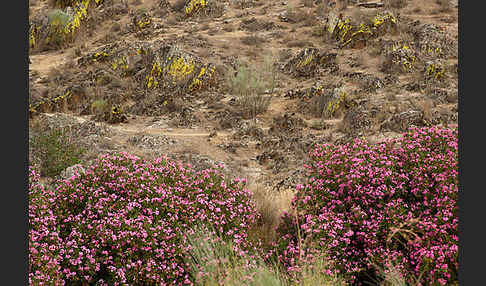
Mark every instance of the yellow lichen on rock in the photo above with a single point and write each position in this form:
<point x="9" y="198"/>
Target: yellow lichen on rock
<point x="203" y="78"/>
<point x="434" y="70"/>
<point x="180" y="68"/>
<point x="61" y="25"/>
<point x="337" y="100"/>
<point x="195" y="5"/>
<point x="355" y="35"/>
<point x="401" y="54"/>
<point x="384" y="22"/>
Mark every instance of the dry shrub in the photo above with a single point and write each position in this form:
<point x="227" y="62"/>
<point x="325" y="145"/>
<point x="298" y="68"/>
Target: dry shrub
<point x="172" y="20"/>
<point x="363" y="16"/>
<point x="296" y="15"/>
<point x="395" y="4"/>
<point x="444" y="5"/>
<point x="307" y="3"/>
<point x="178" y="6"/>
<point x="228" y="28"/>
<point x="252" y="40"/>
<point x="322" y="8"/>
<point x="299" y="44"/>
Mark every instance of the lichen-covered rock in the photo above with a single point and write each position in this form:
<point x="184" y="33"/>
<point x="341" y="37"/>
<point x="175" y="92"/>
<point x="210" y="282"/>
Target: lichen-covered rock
<point x="203" y="7"/>
<point x="335" y="101"/>
<point x="142" y="21"/>
<point x="72" y="3"/>
<point x="401" y="55"/>
<point x="348" y="34"/>
<point x="59" y="26"/>
<point x="356" y="35"/>
<point x="402" y="121"/>
<point x="113" y="115"/>
<point x="356" y="121"/>
<point x="327" y="102"/>
<point x="308" y="61"/>
<point x="384" y="23"/>
<point x="68" y="99"/>
<point x="433" y="42"/>
<point x="434" y="70"/>
<point x="175" y="69"/>
<point x="371" y="83"/>
<point x="125" y="59"/>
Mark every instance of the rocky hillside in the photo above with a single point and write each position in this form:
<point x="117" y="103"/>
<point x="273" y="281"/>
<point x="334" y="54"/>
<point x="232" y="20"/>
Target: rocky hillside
<point x="253" y="84"/>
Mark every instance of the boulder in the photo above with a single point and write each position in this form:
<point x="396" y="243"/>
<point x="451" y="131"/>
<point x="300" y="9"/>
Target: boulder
<point x="308" y="61"/>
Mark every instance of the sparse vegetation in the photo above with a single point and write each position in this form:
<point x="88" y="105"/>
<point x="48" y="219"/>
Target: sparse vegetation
<point x="252" y="84"/>
<point x="55" y="151"/>
<point x="58" y="23"/>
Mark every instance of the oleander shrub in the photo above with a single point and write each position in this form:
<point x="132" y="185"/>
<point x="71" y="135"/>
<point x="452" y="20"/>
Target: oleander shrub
<point x="124" y="221"/>
<point x="392" y="205"/>
<point x="45" y="244"/>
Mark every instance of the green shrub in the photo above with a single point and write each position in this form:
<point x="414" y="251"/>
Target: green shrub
<point x="250" y="85"/>
<point x="56" y="152"/>
<point x="99" y="106"/>
<point x="58" y="22"/>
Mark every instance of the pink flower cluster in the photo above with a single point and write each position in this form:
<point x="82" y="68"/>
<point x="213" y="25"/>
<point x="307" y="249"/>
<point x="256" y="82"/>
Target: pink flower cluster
<point x="125" y="221"/>
<point x="393" y="203"/>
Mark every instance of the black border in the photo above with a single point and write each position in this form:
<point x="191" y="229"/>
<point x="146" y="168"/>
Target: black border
<point x="471" y="144"/>
<point x="15" y="86"/>
<point x="15" y="119"/>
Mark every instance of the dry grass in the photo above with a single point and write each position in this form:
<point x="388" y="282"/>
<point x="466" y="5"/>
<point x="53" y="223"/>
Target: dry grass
<point x="270" y="204"/>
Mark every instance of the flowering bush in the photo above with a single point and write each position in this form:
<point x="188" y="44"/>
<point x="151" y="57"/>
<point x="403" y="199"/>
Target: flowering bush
<point x="392" y="204"/>
<point x="44" y="241"/>
<point x="124" y="221"/>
